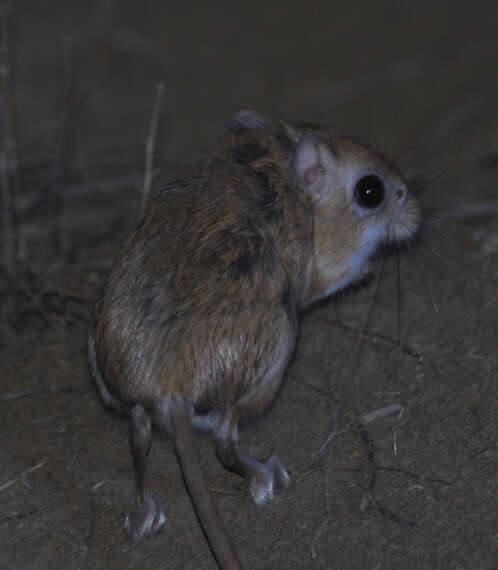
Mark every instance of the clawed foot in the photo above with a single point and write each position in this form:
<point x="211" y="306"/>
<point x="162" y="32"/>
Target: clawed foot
<point x="267" y="477"/>
<point x="144" y="518"/>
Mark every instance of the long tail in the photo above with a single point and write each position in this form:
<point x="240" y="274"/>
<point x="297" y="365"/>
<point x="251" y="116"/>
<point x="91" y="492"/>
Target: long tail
<point x="106" y="396"/>
<point x="204" y="505"/>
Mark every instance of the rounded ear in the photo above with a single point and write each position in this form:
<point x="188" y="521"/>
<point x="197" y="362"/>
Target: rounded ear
<point x="247" y="120"/>
<point x="314" y="166"/>
<point x="290" y="130"/>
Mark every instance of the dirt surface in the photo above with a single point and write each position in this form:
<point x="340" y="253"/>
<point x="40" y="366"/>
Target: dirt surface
<point x="418" y="82"/>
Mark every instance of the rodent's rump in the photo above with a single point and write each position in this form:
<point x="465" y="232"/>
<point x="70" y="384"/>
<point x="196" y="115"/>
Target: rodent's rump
<point x="201" y="305"/>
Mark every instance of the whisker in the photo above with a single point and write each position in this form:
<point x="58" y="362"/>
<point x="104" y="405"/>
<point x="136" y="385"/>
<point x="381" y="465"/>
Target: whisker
<point x="377" y="287"/>
<point x="366" y="326"/>
<point x="422" y="240"/>
<point x="398" y="275"/>
<point x="413" y="242"/>
<point x="464" y="210"/>
<point x="431" y="181"/>
<point x="412" y="239"/>
<point x="437" y="256"/>
<point x="428" y="282"/>
<point x="425" y="225"/>
<point x="447" y="206"/>
<point x="462" y="222"/>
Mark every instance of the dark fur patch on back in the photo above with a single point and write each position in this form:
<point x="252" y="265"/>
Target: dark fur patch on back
<point x="248" y="151"/>
<point x="244" y="266"/>
<point x="287" y="298"/>
<point x="285" y="142"/>
<point x="266" y="197"/>
<point x="266" y="188"/>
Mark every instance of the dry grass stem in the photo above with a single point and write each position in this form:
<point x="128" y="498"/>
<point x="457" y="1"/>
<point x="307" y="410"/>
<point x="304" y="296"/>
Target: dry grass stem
<point x="376" y="338"/>
<point x="23" y="474"/>
<point x="151" y="142"/>
<point x="8" y="162"/>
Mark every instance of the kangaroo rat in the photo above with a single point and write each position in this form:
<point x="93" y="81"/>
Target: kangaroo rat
<point x="199" y="317"/>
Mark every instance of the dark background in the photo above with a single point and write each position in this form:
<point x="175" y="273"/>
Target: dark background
<point x="416" y="80"/>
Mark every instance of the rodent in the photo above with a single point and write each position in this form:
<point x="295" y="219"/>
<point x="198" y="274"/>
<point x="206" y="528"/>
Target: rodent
<point x="199" y="317"/>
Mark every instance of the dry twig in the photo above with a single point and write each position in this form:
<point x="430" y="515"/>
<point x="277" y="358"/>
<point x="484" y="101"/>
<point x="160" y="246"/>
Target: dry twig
<point x="390" y="514"/>
<point x="23" y="474"/>
<point x="8" y="162"/>
<point x="369" y="495"/>
<point x="58" y="197"/>
<point x="151" y="142"/>
<point x="371" y="462"/>
<point x="376" y="338"/>
<point x="38" y="391"/>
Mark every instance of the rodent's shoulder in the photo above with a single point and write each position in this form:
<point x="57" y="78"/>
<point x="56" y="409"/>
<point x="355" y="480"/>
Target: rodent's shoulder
<point x="250" y="184"/>
<point x="237" y="221"/>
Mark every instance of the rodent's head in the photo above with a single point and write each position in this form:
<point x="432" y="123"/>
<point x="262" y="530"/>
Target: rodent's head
<point x="359" y="200"/>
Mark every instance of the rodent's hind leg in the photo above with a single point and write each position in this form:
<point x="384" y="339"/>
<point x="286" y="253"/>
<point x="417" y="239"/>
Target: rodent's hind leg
<point x="145" y="515"/>
<point x="263" y="477"/>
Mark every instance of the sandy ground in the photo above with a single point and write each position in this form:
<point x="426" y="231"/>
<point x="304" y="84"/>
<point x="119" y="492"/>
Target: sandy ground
<point x="417" y="82"/>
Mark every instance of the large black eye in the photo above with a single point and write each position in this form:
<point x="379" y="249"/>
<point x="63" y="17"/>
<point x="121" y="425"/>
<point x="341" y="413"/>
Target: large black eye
<point x="369" y="191"/>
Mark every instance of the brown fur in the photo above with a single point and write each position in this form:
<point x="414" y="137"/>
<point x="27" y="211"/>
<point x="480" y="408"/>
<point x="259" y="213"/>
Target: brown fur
<point x="202" y="303"/>
<point x="201" y="295"/>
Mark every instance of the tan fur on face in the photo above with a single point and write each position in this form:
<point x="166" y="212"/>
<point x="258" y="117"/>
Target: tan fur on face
<point x="344" y="235"/>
